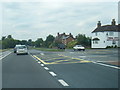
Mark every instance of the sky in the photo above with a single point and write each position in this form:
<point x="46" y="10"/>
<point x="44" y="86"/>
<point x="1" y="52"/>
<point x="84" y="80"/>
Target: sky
<point x="37" y="19"/>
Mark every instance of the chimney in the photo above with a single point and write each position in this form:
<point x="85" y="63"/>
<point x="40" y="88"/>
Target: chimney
<point x="113" y="22"/>
<point x="58" y="34"/>
<point x="99" y="24"/>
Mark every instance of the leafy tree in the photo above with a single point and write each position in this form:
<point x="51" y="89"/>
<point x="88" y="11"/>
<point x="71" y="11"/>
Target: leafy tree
<point x="24" y="42"/>
<point x="3" y="38"/>
<point x="83" y="40"/>
<point x="29" y="42"/>
<point x="39" y="42"/>
<point x="49" y="40"/>
<point x="9" y="36"/>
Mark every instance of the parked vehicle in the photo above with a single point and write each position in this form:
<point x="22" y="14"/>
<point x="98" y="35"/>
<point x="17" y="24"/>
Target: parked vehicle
<point x="79" y="47"/>
<point x="15" y="48"/>
<point x="61" y="46"/>
<point x="22" y="50"/>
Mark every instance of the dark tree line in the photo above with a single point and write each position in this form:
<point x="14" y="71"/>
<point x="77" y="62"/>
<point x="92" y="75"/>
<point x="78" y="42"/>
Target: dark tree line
<point x="10" y="42"/>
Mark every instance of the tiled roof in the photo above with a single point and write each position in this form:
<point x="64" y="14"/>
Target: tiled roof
<point x="115" y="28"/>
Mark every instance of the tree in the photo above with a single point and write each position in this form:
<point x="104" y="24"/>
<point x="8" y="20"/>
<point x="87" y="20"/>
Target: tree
<point x="9" y="36"/>
<point x="83" y="40"/>
<point x="24" y="42"/>
<point x="39" y="42"/>
<point x="3" y="38"/>
<point x="30" y="42"/>
<point x="49" y="40"/>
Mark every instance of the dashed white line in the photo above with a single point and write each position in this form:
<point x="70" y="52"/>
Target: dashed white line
<point x="42" y="65"/>
<point x="63" y="82"/>
<point x="53" y="74"/>
<point x="46" y="68"/>
<point x="33" y="57"/>
<point x="39" y="62"/>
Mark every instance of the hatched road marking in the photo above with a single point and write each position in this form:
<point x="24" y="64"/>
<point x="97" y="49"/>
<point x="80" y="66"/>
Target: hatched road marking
<point x="5" y="55"/>
<point x="62" y="60"/>
<point x="40" y="59"/>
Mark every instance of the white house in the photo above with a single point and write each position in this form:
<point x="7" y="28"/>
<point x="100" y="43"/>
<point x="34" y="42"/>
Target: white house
<point x="107" y="35"/>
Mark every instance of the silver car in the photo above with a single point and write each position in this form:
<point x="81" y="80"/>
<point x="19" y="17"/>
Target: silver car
<point x="22" y="50"/>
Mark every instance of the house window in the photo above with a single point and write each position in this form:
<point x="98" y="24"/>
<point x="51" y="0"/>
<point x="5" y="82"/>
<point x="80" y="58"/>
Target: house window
<point x="95" y="42"/>
<point x="111" y="33"/>
<point x="106" y="34"/>
<point x="113" y="42"/>
<point x="96" y="34"/>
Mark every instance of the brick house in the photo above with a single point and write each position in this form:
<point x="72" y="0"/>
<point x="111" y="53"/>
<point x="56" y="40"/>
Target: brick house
<point x="64" y="38"/>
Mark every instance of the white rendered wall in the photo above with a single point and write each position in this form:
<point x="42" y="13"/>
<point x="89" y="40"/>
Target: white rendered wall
<point x="102" y="38"/>
<point x="103" y="43"/>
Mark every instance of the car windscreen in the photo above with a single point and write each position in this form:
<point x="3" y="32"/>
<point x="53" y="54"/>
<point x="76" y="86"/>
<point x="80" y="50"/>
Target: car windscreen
<point x="21" y="47"/>
<point x="78" y="45"/>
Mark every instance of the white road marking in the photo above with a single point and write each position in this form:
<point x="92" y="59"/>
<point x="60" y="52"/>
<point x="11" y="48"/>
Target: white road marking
<point x="39" y="62"/>
<point x="82" y="56"/>
<point x="53" y="74"/>
<point x="107" y="65"/>
<point x="105" y="61"/>
<point x="42" y="65"/>
<point x="46" y="68"/>
<point x="33" y="57"/>
<point x="42" y="53"/>
<point x="5" y="55"/>
<point x="63" y="82"/>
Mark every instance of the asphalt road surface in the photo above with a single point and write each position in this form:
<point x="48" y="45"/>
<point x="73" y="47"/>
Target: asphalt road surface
<point x="67" y="69"/>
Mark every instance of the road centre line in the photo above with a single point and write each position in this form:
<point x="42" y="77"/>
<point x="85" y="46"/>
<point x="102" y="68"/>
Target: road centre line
<point x="46" y="68"/>
<point x="39" y="62"/>
<point x="52" y="73"/>
<point x="63" y="82"/>
<point x="33" y="57"/>
<point x="42" y="65"/>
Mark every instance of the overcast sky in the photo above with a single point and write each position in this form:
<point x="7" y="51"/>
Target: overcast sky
<point x="32" y="20"/>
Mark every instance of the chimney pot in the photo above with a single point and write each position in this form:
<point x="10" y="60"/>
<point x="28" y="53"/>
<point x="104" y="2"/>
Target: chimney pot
<point x="99" y="24"/>
<point x="113" y="22"/>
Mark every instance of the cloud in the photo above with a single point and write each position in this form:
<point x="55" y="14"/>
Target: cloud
<point x="38" y="19"/>
<point x="59" y="0"/>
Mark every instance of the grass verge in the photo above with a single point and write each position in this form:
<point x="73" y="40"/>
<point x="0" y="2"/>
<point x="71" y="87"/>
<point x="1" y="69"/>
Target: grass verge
<point x="3" y="50"/>
<point x="49" y="49"/>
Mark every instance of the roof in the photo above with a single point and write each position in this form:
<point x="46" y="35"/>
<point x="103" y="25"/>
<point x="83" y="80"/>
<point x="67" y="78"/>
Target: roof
<point x="115" y="28"/>
<point x="63" y="36"/>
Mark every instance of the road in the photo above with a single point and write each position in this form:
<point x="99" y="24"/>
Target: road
<point x="41" y="69"/>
